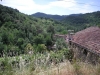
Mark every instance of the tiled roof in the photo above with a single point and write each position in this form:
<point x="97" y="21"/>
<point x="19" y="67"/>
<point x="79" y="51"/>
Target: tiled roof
<point x="89" y="38"/>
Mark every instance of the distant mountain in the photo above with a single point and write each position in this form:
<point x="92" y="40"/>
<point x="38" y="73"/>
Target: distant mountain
<point x="76" y="22"/>
<point x="74" y="14"/>
<point x="81" y="21"/>
<point x="55" y="17"/>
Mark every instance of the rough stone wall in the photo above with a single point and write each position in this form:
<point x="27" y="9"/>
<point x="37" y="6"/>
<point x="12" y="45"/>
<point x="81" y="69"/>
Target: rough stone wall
<point x="84" y="54"/>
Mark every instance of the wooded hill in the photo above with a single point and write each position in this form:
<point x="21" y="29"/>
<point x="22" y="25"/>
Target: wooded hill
<point x="82" y="21"/>
<point x="20" y="32"/>
<point x="54" y="17"/>
<point x="76" y="22"/>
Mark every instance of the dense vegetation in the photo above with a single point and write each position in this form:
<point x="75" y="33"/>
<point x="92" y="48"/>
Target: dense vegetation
<point x="24" y="34"/>
<point x="75" y="22"/>
<point x="20" y="33"/>
<point x="82" y="21"/>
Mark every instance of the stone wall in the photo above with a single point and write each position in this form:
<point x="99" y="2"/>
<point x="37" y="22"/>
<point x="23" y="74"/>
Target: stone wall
<point x="83" y="53"/>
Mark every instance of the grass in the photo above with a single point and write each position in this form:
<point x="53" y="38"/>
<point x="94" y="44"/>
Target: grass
<point x="82" y="68"/>
<point x="64" y="68"/>
<point x="40" y="64"/>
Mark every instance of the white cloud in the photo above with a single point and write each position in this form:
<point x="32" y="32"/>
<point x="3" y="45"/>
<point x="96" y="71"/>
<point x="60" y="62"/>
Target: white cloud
<point x="64" y="3"/>
<point x="18" y="4"/>
<point x="29" y="6"/>
<point x="25" y="6"/>
<point x="84" y="8"/>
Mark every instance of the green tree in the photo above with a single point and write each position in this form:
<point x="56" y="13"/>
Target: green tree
<point x="49" y="41"/>
<point x="51" y="29"/>
<point x="61" y="44"/>
<point x="41" y="48"/>
<point x="5" y="38"/>
<point x="39" y="39"/>
<point x="20" y="41"/>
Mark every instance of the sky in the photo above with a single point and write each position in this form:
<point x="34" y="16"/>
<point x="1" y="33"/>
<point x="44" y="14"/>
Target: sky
<point x="55" y="7"/>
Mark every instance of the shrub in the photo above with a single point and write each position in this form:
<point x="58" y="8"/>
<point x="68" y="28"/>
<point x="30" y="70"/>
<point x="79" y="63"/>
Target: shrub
<point x="41" y="48"/>
<point x="28" y="48"/>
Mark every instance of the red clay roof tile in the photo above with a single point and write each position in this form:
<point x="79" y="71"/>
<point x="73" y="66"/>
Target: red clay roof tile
<point x="89" y="38"/>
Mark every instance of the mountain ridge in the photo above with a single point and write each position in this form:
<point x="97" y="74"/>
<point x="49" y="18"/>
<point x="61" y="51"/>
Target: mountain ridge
<point x="55" y="17"/>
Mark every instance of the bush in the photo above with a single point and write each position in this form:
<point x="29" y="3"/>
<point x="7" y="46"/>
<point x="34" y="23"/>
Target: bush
<point x="59" y="56"/>
<point x="41" y="48"/>
<point x="28" y="48"/>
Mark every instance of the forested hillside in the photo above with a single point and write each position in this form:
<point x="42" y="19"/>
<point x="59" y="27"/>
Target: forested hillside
<point x="81" y="21"/>
<point x="18" y="31"/>
<point x="55" y="17"/>
<point x="28" y="45"/>
<point x="76" y="22"/>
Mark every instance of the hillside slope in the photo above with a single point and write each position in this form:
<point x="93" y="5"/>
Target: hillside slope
<point x="55" y="17"/>
<point x="82" y="21"/>
<point x="18" y="31"/>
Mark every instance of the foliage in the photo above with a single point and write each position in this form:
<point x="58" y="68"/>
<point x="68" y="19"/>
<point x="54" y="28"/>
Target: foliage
<point x="60" y="42"/>
<point x="18" y="30"/>
<point x="60" y="55"/>
<point x="50" y="29"/>
<point x="41" y="48"/>
<point x="39" y="39"/>
<point x="28" y="48"/>
<point x="52" y="63"/>
<point x="5" y="67"/>
<point x="49" y="41"/>
<point x="82" y="21"/>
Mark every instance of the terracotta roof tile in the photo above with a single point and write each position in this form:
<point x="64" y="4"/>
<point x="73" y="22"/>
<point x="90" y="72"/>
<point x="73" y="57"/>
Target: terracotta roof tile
<point x="89" y="38"/>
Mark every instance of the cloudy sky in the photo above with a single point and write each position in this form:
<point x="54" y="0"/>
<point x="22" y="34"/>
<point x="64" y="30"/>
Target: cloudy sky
<point x="60" y="7"/>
